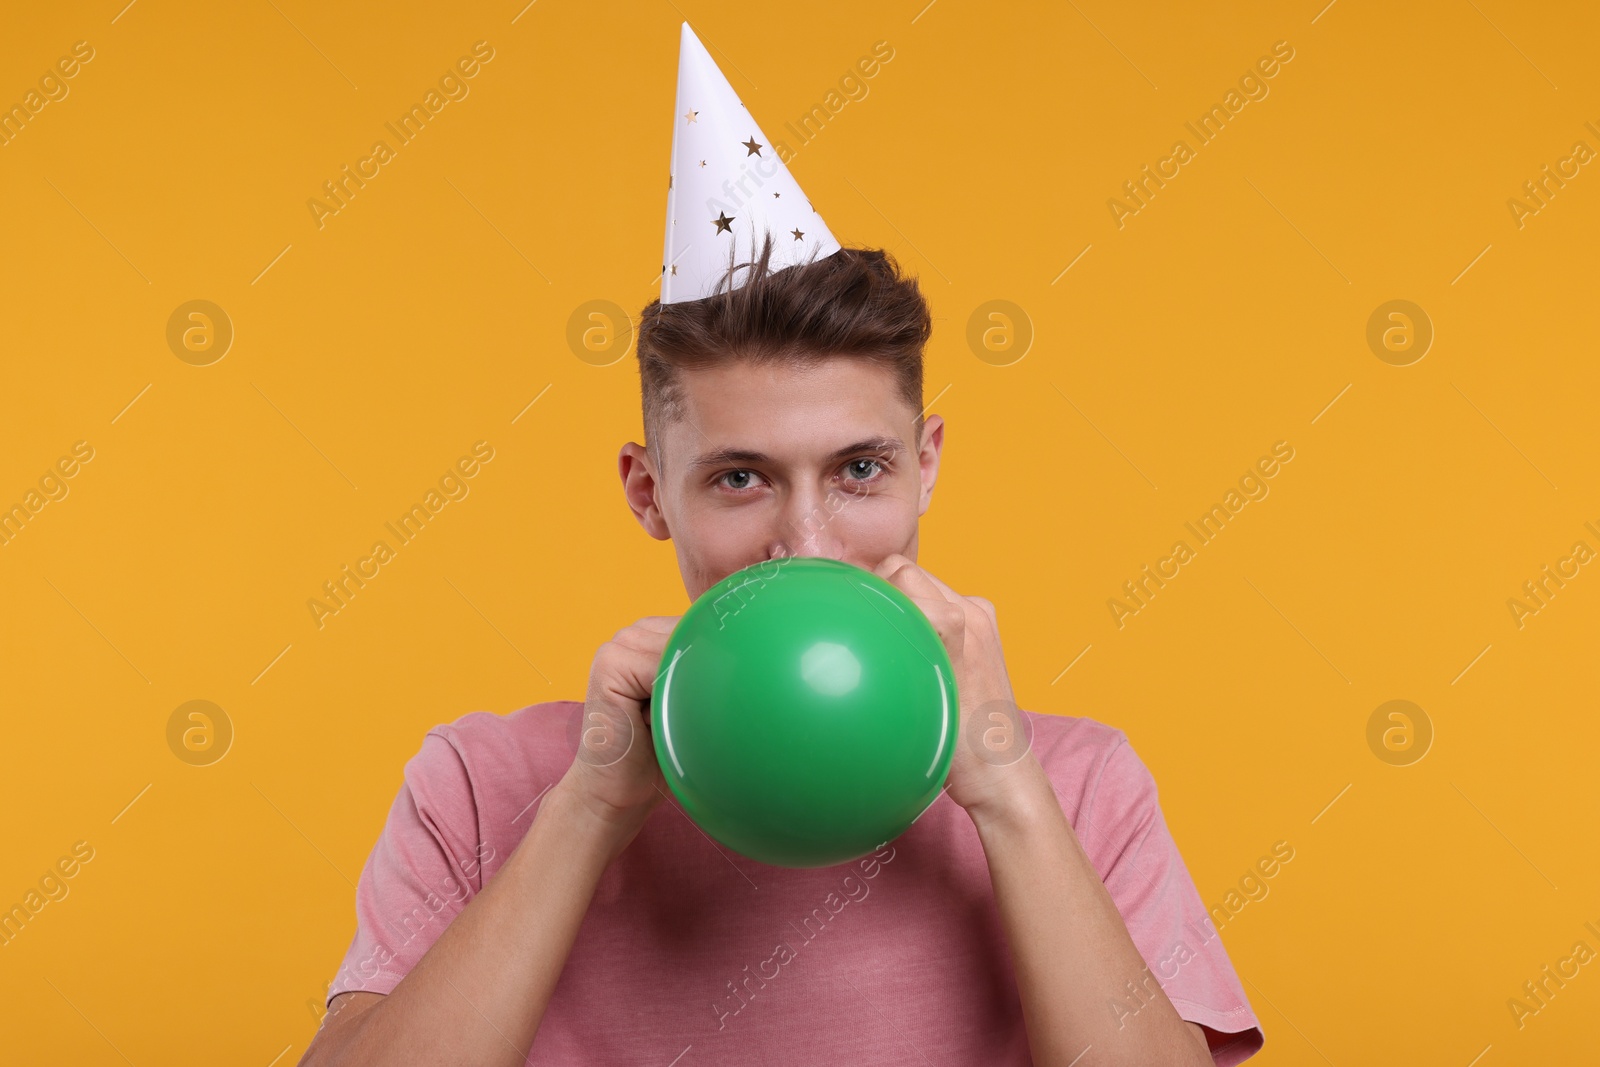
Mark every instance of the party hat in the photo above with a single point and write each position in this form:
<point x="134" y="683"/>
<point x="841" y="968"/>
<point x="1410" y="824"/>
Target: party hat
<point x="727" y="188"/>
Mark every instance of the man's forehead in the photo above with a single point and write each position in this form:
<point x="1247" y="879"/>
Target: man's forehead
<point x="744" y="413"/>
<point x="828" y="381"/>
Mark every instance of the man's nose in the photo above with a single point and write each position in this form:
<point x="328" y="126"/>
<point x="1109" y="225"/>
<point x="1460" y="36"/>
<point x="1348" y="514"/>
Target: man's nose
<point x="809" y="526"/>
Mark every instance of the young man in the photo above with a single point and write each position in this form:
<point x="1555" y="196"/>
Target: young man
<point x="537" y="895"/>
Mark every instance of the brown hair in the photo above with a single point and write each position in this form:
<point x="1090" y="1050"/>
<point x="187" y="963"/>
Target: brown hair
<point x="856" y="302"/>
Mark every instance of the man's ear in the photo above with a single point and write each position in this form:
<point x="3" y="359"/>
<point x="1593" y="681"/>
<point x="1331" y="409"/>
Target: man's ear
<point x="641" y="486"/>
<point x="928" y="459"/>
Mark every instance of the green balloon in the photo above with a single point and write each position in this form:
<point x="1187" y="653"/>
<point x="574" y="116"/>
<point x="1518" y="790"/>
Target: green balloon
<point x="805" y="712"/>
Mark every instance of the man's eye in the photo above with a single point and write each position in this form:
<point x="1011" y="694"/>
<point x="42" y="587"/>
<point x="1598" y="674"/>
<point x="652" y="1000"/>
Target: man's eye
<point x="739" y="479"/>
<point x="855" y="468"/>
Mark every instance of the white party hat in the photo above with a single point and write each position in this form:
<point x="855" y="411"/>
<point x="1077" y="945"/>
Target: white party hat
<point x="727" y="188"/>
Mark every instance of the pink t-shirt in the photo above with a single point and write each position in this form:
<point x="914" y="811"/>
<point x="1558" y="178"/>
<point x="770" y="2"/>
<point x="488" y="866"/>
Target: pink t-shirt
<point x="691" y="950"/>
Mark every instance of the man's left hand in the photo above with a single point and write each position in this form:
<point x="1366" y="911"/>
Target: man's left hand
<point x="992" y="758"/>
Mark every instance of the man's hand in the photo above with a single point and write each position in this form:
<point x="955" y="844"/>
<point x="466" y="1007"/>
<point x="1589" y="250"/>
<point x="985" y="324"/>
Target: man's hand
<point x="614" y="770"/>
<point x="1070" y="949"/>
<point x="992" y="759"/>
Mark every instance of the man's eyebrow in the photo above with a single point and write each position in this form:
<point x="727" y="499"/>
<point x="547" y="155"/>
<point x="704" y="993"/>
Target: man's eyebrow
<point x="880" y="445"/>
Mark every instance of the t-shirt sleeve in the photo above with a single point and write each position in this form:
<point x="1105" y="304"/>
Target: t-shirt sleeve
<point x="425" y="867"/>
<point x="1128" y="841"/>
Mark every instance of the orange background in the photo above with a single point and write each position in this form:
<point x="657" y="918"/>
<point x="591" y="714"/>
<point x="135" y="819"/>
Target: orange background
<point x="1228" y="314"/>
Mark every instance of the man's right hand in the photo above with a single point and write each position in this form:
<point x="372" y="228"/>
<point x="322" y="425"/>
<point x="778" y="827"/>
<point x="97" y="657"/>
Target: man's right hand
<point x="614" y="770"/>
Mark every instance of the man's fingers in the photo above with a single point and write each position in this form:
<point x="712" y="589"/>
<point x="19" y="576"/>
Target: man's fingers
<point x="948" y="620"/>
<point x="988" y="607"/>
<point x="944" y="611"/>
<point x="949" y="594"/>
<point x="898" y="564"/>
<point x="648" y="635"/>
<point x="912" y="580"/>
<point x="653" y="624"/>
<point x="647" y="642"/>
<point x="630" y="662"/>
<point x="889" y="564"/>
